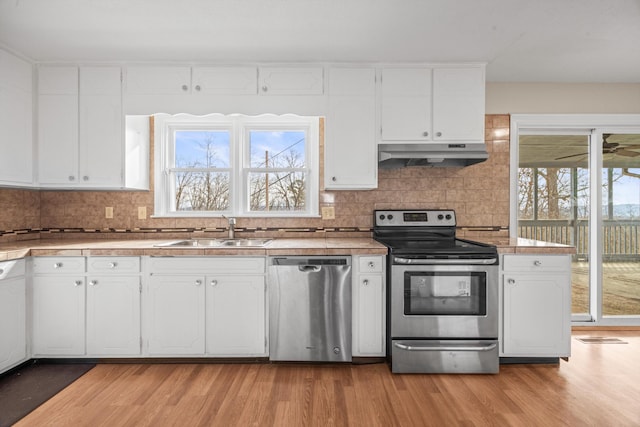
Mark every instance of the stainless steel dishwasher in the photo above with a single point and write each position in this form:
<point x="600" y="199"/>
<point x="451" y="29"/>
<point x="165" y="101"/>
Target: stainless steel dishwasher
<point x="310" y="309"/>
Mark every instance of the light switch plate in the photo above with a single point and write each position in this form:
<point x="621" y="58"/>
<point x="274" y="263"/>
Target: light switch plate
<point x="142" y="212"/>
<point x="108" y="212"/>
<point x="328" y="212"/>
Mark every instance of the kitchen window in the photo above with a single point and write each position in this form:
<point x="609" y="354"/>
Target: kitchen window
<point x="236" y="165"/>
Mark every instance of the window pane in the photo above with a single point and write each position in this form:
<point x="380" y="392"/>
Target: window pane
<point x="277" y="149"/>
<point x="621" y="225"/>
<point x="201" y="191"/>
<point x="283" y="191"/>
<point x="202" y="149"/>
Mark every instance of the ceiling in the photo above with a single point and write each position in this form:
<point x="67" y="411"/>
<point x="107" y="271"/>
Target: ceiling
<point x="520" y="40"/>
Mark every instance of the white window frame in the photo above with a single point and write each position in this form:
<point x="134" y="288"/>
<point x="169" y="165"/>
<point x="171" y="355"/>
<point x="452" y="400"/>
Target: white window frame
<point x="239" y="127"/>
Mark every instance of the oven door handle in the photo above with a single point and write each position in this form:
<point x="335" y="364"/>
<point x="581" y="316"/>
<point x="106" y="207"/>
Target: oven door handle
<point x="436" y="347"/>
<point x="432" y="261"/>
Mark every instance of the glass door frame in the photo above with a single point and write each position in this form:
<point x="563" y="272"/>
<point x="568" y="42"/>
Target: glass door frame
<point x="594" y="125"/>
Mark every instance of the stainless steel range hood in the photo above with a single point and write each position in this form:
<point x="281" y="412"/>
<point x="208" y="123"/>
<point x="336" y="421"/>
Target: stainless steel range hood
<point x="393" y="156"/>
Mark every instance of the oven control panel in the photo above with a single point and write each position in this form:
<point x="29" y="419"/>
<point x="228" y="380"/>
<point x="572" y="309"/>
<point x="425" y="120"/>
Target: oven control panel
<point x="415" y="218"/>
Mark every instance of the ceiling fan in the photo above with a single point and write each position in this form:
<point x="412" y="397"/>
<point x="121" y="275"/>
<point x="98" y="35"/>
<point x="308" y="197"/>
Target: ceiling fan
<point x="610" y="148"/>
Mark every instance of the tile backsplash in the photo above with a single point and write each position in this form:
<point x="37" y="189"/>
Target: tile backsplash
<point x="479" y="194"/>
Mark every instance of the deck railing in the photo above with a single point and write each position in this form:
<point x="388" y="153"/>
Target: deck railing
<point x="621" y="239"/>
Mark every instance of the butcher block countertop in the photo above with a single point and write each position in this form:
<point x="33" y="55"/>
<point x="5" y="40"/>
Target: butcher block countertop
<point x="278" y="246"/>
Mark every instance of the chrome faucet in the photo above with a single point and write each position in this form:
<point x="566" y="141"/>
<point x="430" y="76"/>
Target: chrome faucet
<point x="232" y="227"/>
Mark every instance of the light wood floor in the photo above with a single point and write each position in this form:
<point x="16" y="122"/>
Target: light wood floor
<point x="598" y="386"/>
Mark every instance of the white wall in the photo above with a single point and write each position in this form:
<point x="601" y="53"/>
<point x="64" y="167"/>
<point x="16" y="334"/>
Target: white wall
<point x="552" y="98"/>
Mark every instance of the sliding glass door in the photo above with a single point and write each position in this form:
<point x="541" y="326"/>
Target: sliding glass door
<point x="579" y="184"/>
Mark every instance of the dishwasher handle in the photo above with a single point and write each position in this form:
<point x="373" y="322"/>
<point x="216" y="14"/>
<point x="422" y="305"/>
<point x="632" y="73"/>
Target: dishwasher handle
<point x="309" y="268"/>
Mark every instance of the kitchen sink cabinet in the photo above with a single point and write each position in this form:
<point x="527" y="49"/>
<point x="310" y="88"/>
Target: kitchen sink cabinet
<point x="16" y="121"/>
<point x="213" y="306"/>
<point x="536" y="306"/>
<point x="440" y="104"/>
<point x="80" y="127"/>
<point x="369" y="307"/>
<point x="350" y="143"/>
<point x="13" y="332"/>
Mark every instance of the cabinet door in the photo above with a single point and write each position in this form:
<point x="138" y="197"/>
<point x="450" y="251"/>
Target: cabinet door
<point x="58" y="315"/>
<point x="113" y="315"/>
<point x="350" y="143"/>
<point x="57" y="125"/>
<point x="537" y="310"/>
<point x="101" y="131"/>
<point x="225" y="80"/>
<point x="158" y="80"/>
<point x="13" y="344"/>
<point x="291" y="81"/>
<point x="16" y="120"/>
<point x="458" y="104"/>
<point x="406" y="104"/>
<point x="236" y="313"/>
<point x="175" y="309"/>
<point x="368" y="316"/>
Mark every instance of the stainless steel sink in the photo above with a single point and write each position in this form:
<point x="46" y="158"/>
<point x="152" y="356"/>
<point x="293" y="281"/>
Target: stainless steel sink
<point x="216" y="243"/>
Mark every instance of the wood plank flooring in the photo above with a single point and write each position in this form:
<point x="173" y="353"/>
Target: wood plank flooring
<point x="598" y="386"/>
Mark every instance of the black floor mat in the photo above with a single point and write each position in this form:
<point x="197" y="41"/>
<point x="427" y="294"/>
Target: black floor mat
<point x="26" y="388"/>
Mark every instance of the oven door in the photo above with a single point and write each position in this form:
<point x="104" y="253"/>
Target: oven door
<point x="444" y="301"/>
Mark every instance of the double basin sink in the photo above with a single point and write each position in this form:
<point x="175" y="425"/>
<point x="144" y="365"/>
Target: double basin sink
<point x="216" y="243"/>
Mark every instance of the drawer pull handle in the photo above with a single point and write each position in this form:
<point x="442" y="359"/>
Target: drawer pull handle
<point x="537" y="263"/>
<point x="113" y="264"/>
<point x="57" y="265"/>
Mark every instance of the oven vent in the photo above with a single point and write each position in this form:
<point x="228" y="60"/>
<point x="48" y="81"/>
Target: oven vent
<point x="393" y="156"/>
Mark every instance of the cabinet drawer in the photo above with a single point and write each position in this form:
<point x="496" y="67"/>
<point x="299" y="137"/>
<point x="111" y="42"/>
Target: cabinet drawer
<point x="9" y="269"/>
<point x="230" y="265"/>
<point x="113" y="265"/>
<point x="540" y="263"/>
<point x="370" y="264"/>
<point x="58" y="265"/>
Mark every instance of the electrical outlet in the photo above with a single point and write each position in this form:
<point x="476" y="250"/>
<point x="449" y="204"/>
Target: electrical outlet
<point x="108" y="212"/>
<point x="328" y="212"/>
<point x="142" y="212"/>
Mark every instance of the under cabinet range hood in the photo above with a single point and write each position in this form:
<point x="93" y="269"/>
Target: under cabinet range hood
<point x="393" y="156"/>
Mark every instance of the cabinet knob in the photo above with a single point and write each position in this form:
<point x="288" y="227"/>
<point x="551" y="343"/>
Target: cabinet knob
<point x="334" y="179"/>
<point x="72" y="178"/>
<point x="214" y="283"/>
<point x="93" y="282"/>
<point x="511" y="281"/>
<point x="537" y="263"/>
<point x="371" y="264"/>
<point x="198" y="88"/>
<point x="113" y="264"/>
<point x="77" y="282"/>
<point x="265" y="88"/>
<point x="198" y="282"/>
<point x="57" y="265"/>
<point x="365" y="282"/>
<point x="85" y="178"/>
<point x="438" y="133"/>
<point x="1" y="271"/>
<point x="185" y="88"/>
<point x="425" y="133"/>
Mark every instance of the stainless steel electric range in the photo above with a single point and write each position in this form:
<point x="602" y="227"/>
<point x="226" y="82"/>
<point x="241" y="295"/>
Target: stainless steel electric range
<point x="442" y="294"/>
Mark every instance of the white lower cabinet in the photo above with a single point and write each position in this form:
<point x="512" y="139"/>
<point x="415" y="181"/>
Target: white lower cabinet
<point x="369" y="318"/>
<point x="176" y="315"/>
<point x="213" y="306"/>
<point x="236" y="314"/>
<point x="58" y="315"/>
<point x="113" y="315"/>
<point x="536" y="304"/>
<point x="13" y="334"/>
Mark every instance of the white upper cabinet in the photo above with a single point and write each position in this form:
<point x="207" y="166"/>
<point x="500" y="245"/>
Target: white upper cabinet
<point x="350" y="142"/>
<point x="58" y="126"/>
<point x="16" y="121"/>
<point x="158" y="80"/>
<point x="225" y="80"/>
<point x="291" y="81"/>
<point x="432" y="104"/>
<point x="80" y="127"/>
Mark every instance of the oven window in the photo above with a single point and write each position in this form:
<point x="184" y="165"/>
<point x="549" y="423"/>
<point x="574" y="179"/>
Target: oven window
<point x="445" y="293"/>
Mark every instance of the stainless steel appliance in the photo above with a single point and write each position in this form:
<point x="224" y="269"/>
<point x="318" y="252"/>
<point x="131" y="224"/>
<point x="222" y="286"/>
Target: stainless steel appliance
<point x="310" y="309"/>
<point x="443" y="294"/>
